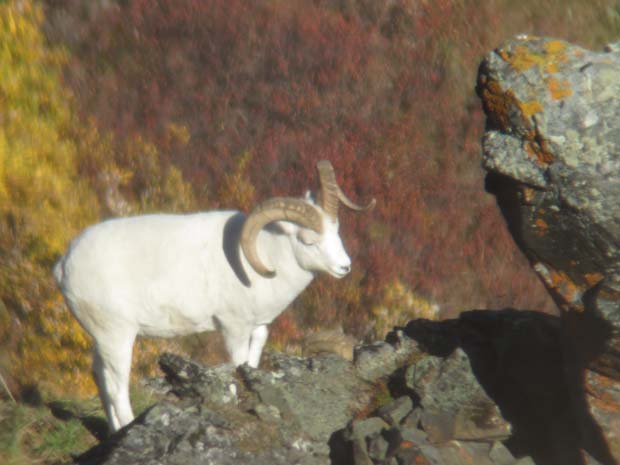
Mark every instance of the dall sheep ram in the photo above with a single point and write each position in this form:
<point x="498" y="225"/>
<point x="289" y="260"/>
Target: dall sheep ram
<point x="171" y="275"/>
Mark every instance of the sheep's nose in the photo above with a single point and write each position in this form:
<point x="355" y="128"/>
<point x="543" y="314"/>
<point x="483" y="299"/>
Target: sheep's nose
<point x="345" y="269"/>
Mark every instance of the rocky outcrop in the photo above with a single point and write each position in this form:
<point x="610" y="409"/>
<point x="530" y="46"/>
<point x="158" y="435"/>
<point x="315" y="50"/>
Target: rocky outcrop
<point x="552" y="151"/>
<point x="486" y="388"/>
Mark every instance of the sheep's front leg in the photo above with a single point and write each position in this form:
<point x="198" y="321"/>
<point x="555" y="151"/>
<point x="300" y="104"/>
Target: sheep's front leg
<point x="257" y="342"/>
<point x="237" y="340"/>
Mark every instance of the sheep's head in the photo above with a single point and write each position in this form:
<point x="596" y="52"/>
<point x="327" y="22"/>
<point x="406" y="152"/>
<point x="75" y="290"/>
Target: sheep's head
<point x="313" y="227"/>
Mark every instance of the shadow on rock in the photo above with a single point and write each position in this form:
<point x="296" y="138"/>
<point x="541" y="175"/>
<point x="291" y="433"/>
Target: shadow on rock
<point x="519" y="359"/>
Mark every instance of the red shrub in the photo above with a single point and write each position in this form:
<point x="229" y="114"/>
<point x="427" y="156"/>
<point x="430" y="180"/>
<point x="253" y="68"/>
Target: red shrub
<point x="267" y="88"/>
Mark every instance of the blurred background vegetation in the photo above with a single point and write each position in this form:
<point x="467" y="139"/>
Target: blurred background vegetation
<point x="112" y="108"/>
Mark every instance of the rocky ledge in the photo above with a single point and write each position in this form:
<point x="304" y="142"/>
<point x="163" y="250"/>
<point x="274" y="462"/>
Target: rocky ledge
<point x="486" y="388"/>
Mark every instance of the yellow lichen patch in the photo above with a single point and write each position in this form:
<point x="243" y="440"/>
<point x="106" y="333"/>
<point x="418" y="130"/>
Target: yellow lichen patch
<point x="556" y="53"/>
<point x="555" y="47"/>
<point x="530" y="108"/>
<point x="552" y="68"/>
<point x="559" y="89"/>
<point x="521" y="59"/>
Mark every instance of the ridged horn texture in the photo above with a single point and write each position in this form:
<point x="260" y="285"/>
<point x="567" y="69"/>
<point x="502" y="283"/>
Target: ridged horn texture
<point x="276" y="209"/>
<point x="330" y="194"/>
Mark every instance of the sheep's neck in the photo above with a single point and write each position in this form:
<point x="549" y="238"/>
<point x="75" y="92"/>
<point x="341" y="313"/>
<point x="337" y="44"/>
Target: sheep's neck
<point x="290" y="280"/>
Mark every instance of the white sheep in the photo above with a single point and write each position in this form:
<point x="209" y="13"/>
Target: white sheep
<point x="171" y="275"/>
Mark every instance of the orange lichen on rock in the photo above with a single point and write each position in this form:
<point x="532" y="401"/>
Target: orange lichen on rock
<point x="541" y="226"/>
<point x="603" y="391"/>
<point x="530" y="108"/>
<point x="559" y="89"/>
<point x="522" y="58"/>
<point x="537" y="147"/>
<point x="559" y="283"/>
<point x="556" y="48"/>
<point x="498" y="102"/>
<point x="593" y="278"/>
<point x="528" y="195"/>
<point x="552" y="67"/>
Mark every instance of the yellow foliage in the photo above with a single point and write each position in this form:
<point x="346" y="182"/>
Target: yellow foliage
<point x="43" y="203"/>
<point x="236" y="190"/>
<point x="55" y="172"/>
<point x="159" y="185"/>
<point x="399" y="304"/>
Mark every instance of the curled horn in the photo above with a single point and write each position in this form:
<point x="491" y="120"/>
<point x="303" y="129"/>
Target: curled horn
<point x="276" y="209"/>
<point x="330" y="194"/>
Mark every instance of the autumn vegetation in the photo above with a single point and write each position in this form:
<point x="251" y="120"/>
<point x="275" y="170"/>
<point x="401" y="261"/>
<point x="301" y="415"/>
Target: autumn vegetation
<point x="117" y="108"/>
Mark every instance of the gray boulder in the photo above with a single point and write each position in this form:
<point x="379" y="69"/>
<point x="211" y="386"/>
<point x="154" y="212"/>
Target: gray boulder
<point x="552" y="152"/>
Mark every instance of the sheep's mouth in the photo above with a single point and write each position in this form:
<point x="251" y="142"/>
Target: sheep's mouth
<point x="339" y="272"/>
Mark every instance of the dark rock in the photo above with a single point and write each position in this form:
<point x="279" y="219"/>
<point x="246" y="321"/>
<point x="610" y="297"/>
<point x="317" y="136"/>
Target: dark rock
<point x="378" y="448"/>
<point x="456" y="405"/>
<point x="381" y="359"/>
<point x="368" y="428"/>
<point x="500" y="455"/>
<point x="274" y="417"/>
<point x="367" y="442"/>
<point x="524" y="461"/>
<point x="413" y="419"/>
<point x="321" y="410"/>
<point x="414" y="435"/>
<point x="215" y="384"/>
<point x="395" y="411"/>
<point x="438" y="425"/>
<point x="552" y="151"/>
<point x="516" y="356"/>
<point x="170" y="434"/>
<point x="318" y="394"/>
<point x="465" y="453"/>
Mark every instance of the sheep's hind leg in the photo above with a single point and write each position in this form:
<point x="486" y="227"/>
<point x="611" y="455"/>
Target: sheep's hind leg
<point x="113" y="421"/>
<point x="112" y="367"/>
<point x="257" y="342"/>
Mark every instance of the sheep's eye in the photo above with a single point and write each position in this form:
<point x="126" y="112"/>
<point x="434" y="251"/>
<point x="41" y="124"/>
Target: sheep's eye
<point x="308" y="237"/>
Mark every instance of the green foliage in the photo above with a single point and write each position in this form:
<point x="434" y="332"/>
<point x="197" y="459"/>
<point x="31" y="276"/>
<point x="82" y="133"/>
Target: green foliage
<point x="32" y="435"/>
<point x="51" y="433"/>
